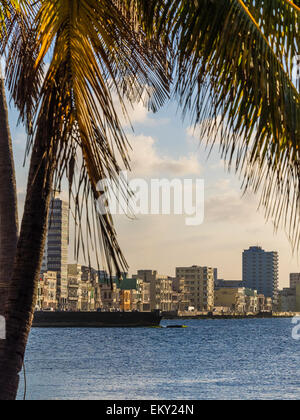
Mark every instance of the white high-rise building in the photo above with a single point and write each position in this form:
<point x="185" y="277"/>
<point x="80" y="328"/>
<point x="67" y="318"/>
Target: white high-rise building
<point x="56" y="249"/>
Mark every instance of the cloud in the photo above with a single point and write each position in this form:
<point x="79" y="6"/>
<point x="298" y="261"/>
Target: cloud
<point x="194" y="133"/>
<point x="230" y="208"/>
<point x="137" y="113"/>
<point x="226" y="204"/>
<point x="147" y="161"/>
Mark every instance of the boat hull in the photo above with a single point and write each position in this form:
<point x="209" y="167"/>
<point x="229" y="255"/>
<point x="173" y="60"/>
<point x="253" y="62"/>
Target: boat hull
<point x="96" y="319"/>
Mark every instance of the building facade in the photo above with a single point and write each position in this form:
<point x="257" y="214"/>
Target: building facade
<point x="260" y="271"/>
<point x="294" y="280"/>
<point x="56" y="251"/>
<point x="199" y="285"/>
<point x="232" y="298"/>
<point x="47" y="291"/>
<point x="289" y="299"/>
<point x="160" y="288"/>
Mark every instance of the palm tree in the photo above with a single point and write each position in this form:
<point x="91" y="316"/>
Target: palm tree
<point x="8" y="201"/>
<point x="98" y="49"/>
<point x="232" y="68"/>
<point x="8" y="193"/>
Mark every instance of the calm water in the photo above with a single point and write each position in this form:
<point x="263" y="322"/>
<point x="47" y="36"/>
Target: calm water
<point x="226" y="359"/>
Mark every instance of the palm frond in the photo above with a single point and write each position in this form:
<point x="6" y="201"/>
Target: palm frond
<point x="234" y="82"/>
<point x="96" y="51"/>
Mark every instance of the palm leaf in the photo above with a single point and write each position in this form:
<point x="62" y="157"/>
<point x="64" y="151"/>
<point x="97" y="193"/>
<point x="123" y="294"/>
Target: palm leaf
<point x="97" y="50"/>
<point x="233" y="80"/>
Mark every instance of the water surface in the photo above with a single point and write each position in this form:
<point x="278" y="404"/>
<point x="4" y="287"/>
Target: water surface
<point x="223" y="359"/>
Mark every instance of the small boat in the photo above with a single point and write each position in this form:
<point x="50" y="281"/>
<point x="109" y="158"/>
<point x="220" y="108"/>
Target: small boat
<point x="176" y="326"/>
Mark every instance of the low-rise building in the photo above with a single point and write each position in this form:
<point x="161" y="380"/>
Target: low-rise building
<point x="233" y="298"/>
<point x="252" y="304"/>
<point x="294" y="280"/>
<point x="110" y="297"/>
<point x="74" y="280"/>
<point x="161" y="293"/>
<point x="131" y="294"/>
<point x="47" y="291"/>
<point x="287" y="301"/>
<point x="185" y="295"/>
<point x="146" y="305"/>
<point x="265" y="304"/>
<point x="161" y="289"/>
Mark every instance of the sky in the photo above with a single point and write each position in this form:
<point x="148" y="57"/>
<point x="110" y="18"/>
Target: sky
<point x="165" y="146"/>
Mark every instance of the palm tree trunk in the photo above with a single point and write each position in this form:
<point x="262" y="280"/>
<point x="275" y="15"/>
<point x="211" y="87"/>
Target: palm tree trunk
<point x="8" y="202"/>
<point x="23" y="292"/>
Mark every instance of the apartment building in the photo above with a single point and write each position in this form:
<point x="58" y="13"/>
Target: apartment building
<point x="161" y="289"/>
<point x="260" y="271"/>
<point x="185" y="297"/>
<point x="199" y="282"/>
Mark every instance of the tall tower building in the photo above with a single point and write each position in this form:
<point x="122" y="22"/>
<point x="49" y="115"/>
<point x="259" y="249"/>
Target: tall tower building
<point x="56" y="249"/>
<point x="260" y="271"/>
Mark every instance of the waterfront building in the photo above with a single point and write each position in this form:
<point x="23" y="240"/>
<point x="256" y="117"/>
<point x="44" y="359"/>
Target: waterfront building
<point x="161" y="289"/>
<point x="146" y="305"/>
<point x="265" y="304"/>
<point x="232" y="298"/>
<point x="110" y="297"/>
<point x="294" y="280"/>
<point x="82" y="282"/>
<point x="260" y="271"/>
<point x="161" y="293"/>
<point x="74" y="280"/>
<point x="185" y="296"/>
<point x="131" y="294"/>
<point x="200" y="283"/>
<point x="252" y="301"/>
<point x="56" y="250"/>
<point x="47" y="286"/>
<point x="125" y="300"/>
<point x="289" y="299"/>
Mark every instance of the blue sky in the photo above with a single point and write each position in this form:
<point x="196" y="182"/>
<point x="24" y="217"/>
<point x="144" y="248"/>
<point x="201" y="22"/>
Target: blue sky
<point x="164" y="146"/>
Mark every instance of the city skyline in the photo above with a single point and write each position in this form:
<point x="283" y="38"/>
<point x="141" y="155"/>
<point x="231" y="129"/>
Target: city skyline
<point x="260" y="267"/>
<point x="163" y="146"/>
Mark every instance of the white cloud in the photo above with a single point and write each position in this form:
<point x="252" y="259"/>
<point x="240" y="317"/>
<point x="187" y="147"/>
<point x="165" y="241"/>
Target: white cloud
<point x="136" y="114"/>
<point x="147" y="161"/>
<point x="194" y="133"/>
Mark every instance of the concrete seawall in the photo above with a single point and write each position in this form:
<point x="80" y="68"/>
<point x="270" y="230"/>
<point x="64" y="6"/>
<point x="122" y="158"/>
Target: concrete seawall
<point x="95" y="319"/>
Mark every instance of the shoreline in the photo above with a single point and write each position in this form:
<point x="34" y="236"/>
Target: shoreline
<point x="217" y="317"/>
